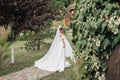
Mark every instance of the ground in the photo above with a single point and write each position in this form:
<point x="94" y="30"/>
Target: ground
<point x="31" y="73"/>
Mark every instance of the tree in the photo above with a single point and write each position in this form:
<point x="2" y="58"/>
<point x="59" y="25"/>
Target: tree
<point x="24" y="14"/>
<point x="28" y="15"/>
<point x="95" y="25"/>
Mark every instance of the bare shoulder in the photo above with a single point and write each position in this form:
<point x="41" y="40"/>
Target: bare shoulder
<point x="62" y="36"/>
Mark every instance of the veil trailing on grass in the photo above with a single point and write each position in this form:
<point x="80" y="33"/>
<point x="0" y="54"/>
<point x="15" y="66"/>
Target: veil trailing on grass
<point x="55" y="58"/>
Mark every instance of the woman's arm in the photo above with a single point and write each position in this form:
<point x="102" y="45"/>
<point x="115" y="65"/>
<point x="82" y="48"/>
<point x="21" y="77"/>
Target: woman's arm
<point x="63" y="43"/>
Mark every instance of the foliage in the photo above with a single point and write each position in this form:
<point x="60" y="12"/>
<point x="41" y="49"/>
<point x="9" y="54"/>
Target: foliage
<point x="96" y="31"/>
<point x="77" y="68"/>
<point x="23" y="36"/>
<point x="29" y="14"/>
<point x="3" y="47"/>
<point x="61" y="8"/>
<point x="23" y="14"/>
<point x="3" y="44"/>
<point x="38" y="40"/>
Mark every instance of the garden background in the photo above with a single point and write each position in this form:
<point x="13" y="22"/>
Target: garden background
<point x="28" y="28"/>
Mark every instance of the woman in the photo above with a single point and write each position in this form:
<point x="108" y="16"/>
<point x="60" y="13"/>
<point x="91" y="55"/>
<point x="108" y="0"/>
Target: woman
<point x="55" y="58"/>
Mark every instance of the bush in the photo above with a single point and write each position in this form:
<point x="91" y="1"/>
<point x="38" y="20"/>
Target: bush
<point x="96" y="24"/>
<point x="3" y="44"/>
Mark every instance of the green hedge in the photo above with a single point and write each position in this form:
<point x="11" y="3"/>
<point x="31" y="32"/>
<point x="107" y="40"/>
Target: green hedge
<point x="96" y="31"/>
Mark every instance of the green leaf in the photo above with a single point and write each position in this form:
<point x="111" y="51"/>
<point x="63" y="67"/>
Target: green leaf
<point x="106" y="43"/>
<point x="99" y="22"/>
<point x="101" y="37"/>
<point x="104" y="66"/>
<point x="83" y="43"/>
<point x="116" y="40"/>
<point x="104" y="25"/>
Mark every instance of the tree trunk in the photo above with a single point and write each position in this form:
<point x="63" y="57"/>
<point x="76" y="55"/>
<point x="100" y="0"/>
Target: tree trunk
<point x="113" y="71"/>
<point x="12" y="53"/>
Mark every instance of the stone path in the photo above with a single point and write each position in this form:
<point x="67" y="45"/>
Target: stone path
<point x="31" y="73"/>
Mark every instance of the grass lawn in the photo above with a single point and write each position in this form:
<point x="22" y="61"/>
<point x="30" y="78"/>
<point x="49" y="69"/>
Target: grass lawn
<point x="66" y="75"/>
<point x="23" y="58"/>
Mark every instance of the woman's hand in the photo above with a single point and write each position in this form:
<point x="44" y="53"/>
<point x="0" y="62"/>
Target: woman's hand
<point x="64" y="46"/>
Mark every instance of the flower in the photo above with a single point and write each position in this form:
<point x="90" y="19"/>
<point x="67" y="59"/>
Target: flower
<point x="115" y="31"/>
<point x="102" y="77"/>
<point x="97" y="43"/>
<point x="85" y="67"/>
<point x="97" y="74"/>
<point x="107" y="57"/>
<point x="119" y="20"/>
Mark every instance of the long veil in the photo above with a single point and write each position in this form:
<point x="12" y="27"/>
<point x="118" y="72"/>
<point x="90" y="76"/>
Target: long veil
<point x="56" y="39"/>
<point x="53" y="54"/>
<point x="55" y="43"/>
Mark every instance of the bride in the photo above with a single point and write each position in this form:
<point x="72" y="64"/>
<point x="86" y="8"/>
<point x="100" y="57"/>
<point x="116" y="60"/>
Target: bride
<point x="55" y="58"/>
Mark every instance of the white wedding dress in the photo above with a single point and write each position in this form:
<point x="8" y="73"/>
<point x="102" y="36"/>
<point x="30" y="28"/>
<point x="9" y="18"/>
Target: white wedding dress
<point x="55" y="58"/>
